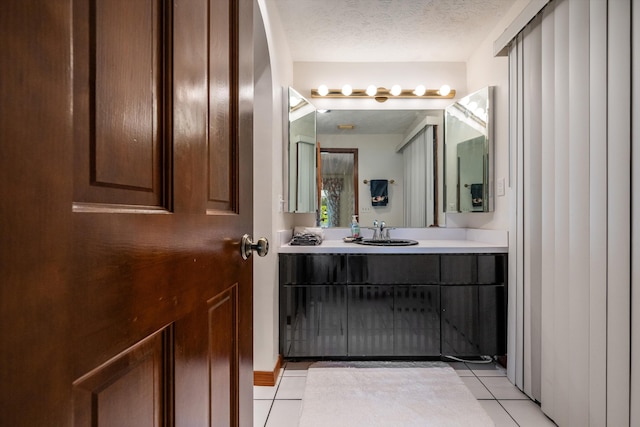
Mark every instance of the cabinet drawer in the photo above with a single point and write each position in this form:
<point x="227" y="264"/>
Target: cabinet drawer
<point x="472" y="269"/>
<point x="458" y="269"/>
<point x="492" y="269"/>
<point x="310" y="269"/>
<point x="394" y="269"/>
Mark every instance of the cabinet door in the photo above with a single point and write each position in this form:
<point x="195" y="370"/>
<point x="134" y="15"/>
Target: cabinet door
<point x="313" y="320"/>
<point x="370" y="320"/>
<point x="417" y="320"/>
<point x="473" y="320"/>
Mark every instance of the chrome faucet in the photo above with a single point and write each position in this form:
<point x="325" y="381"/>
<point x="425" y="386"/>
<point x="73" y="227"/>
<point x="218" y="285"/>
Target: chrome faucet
<point x="380" y="230"/>
<point x="384" y="233"/>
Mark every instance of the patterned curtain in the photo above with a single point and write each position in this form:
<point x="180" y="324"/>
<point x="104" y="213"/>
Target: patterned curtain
<point x="333" y="187"/>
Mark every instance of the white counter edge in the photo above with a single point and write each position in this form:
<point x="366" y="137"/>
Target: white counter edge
<point x="453" y="240"/>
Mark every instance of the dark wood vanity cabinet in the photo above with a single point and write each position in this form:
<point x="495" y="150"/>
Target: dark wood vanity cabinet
<point x="392" y="305"/>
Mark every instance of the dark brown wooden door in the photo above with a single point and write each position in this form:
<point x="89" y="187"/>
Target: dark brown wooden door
<point x="126" y="171"/>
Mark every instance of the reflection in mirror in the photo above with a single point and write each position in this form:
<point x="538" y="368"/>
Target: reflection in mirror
<point x="338" y="185"/>
<point x="302" y="153"/>
<point x="468" y="154"/>
<point x="398" y="145"/>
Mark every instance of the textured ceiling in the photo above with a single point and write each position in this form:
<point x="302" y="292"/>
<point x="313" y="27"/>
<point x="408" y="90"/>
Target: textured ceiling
<point x="388" y="30"/>
<point x="367" y="122"/>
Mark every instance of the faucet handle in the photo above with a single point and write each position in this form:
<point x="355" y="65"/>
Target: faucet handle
<point x="386" y="233"/>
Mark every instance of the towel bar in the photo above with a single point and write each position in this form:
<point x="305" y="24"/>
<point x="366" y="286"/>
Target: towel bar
<point x="391" y="181"/>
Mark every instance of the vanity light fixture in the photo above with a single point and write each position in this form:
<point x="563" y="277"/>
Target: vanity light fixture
<point x="323" y="90"/>
<point x="420" y="90"/>
<point x="395" y="90"/>
<point x="381" y="94"/>
<point x="294" y="101"/>
<point x="444" y="90"/>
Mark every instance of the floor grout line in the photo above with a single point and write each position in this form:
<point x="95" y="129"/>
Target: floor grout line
<point x="508" y="413"/>
<point x="266" y="420"/>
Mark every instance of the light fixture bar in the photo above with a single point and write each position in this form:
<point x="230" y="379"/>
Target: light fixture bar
<point x="383" y="94"/>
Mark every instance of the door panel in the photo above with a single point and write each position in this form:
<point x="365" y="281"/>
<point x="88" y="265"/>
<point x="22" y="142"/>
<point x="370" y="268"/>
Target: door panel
<point x="222" y="102"/>
<point x="128" y="390"/>
<point x="119" y="84"/>
<point x="222" y="357"/>
<point x="128" y="298"/>
<point x="206" y="363"/>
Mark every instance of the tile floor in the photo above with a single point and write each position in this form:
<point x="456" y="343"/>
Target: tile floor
<point x="279" y="406"/>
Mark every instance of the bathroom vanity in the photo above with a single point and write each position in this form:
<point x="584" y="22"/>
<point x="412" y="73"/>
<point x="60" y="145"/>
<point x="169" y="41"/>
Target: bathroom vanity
<point x="440" y="297"/>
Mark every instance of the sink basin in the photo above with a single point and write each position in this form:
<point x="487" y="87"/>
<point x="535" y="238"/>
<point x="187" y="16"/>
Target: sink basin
<point x="388" y="242"/>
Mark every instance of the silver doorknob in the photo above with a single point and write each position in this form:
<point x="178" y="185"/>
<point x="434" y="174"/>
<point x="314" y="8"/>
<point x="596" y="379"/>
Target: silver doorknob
<point x="246" y="246"/>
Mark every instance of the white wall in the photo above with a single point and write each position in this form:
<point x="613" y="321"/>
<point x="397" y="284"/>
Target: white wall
<point x="273" y="71"/>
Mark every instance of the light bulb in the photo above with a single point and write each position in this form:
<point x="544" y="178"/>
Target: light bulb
<point x="472" y="106"/>
<point x="372" y="90"/>
<point x="323" y="90"/>
<point x="395" y="90"/>
<point x="347" y="90"/>
<point x="420" y="90"/>
<point x="293" y="101"/>
<point x="444" y="90"/>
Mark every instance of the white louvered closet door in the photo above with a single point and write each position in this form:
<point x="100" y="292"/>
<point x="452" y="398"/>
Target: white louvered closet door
<point x="570" y="256"/>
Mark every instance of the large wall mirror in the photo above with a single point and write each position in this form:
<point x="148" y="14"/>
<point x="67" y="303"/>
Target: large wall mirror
<point x="302" y="197"/>
<point x="469" y="153"/>
<point x="403" y="147"/>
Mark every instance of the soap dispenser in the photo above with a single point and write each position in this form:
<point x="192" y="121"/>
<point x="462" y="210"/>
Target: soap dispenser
<point x="355" y="227"/>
